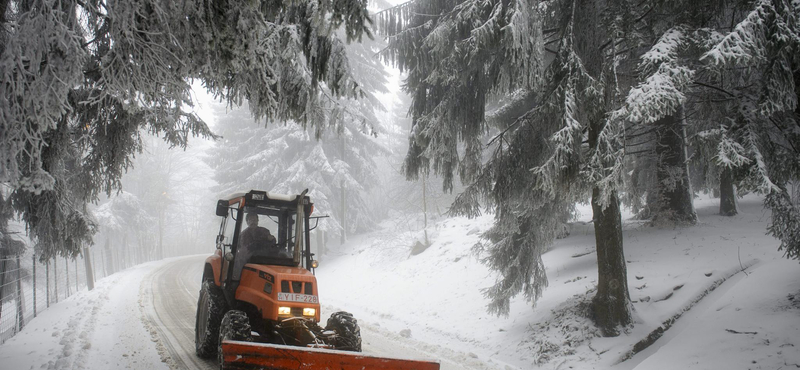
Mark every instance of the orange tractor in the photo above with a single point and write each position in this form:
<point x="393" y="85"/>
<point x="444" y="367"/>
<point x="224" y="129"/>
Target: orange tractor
<point x="259" y="307"/>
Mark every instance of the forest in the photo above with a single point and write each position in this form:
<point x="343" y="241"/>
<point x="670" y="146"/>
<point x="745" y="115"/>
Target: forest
<point x="122" y="122"/>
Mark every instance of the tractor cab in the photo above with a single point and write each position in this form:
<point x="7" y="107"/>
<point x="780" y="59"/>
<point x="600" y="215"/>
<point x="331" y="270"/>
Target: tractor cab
<point x="262" y="228"/>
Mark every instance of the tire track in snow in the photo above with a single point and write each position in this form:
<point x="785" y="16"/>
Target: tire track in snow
<point x="169" y="302"/>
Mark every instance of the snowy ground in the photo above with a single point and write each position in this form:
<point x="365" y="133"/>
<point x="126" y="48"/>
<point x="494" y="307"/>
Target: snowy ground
<point x="687" y="280"/>
<point x="98" y="329"/>
<point x="750" y="321"/>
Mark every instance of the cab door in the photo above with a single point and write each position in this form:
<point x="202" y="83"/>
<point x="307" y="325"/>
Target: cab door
<point x="227" y="233"/>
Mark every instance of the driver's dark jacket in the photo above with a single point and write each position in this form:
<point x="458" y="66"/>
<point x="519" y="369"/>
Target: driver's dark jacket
<point x="254" y="237"/>
<point x="252" y="240"/>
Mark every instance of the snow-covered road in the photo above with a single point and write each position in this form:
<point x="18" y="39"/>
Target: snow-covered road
<point x="170" y="296"/>
<point x="97" y="329"/>
<point x="143" y="318"/>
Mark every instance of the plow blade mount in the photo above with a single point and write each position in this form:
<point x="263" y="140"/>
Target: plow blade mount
<point x="251" y="356"/>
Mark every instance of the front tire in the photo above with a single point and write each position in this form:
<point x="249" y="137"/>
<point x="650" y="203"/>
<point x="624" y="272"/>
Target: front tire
<point x="210" y="309"/>
<point x="235" y="326"/>
<point x="347" y="331"/>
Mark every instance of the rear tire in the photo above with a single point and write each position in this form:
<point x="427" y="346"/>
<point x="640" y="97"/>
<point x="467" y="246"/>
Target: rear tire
<point x="347" y="331"/>
<point x="235" y="326"/>
<point x="210" y="309"/>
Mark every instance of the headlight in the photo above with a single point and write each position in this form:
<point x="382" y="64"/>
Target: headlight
<point x="284" y="311"/>
<point x="314" y="263"/>
<point x="309" y="312"/>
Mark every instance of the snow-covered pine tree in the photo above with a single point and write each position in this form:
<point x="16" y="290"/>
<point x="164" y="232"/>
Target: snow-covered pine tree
<point x="560" y="146"/>
<point x="449" y="57"/>
<point x="450" y="51"/>
<point x="672" y="35"/>
<point x="763" y="52"/>
<point x="286" y="158"/>
<point x="657" y="104"/>
<point x="99" y="72"/>
<point x="671" y="79"/>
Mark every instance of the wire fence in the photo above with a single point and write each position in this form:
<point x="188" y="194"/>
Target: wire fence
<point x="29" y="286"/>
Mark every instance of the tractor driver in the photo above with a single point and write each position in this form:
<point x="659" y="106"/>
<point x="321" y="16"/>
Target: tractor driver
<point x="253" y="241"/>
<point x="255" y="236"/>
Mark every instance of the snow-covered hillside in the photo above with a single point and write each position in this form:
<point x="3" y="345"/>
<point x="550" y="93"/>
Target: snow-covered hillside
<point x="748" y="321"/>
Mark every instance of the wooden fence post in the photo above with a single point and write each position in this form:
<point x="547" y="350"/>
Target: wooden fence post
<point x="47" y="278"/>
<point x="66" y="268"/>
<point x="34" y="285"/>
<point x="55" y="275"/>
<point x="20" y="298"/>
<point x="87" y="260"/>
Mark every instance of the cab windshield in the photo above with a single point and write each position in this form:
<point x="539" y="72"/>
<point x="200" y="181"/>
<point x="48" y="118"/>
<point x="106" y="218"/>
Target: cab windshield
<point x="267" y="236"/>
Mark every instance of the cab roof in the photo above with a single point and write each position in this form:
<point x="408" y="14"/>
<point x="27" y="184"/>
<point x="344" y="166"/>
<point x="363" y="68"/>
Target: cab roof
<point x="262" y="197"/>
<point x="269" y="195"/>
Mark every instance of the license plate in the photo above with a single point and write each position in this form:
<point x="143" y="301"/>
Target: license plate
<point x="294" y="297"/>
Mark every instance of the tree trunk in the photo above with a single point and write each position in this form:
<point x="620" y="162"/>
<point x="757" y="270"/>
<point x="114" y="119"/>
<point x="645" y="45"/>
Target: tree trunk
<point x="87" y="259"/>
<point x="727" y="193"/>
<point x="672" y="172"/>
<point x="66" y="268"/>
<point x="343" y="221"/>
<point x="3" y="8"/>
<point x="109" y="268"/>
<point x="612" y="302"/>
<point x="160" y="253"/>
<point x="126" y="252"/>
<point x="611" y="305"/>
<point x="425" y="208"/>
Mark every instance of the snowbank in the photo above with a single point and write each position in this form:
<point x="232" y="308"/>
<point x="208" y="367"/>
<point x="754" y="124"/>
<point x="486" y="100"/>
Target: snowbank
<point x="98" y="329"/>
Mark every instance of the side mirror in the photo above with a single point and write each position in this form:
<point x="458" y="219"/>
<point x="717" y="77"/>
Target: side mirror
<point x="222" y="208"/>
<point x="229" y="256"/>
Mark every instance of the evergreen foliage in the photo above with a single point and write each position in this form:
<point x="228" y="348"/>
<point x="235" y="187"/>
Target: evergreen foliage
<point x="654" y="112"/>
<point x="285" y="158"/>
<point x="549" y="154"/>
<point x="450" y="51"/>
<point x="81" y="81"/>
<point x="762" y="141"/>
<point x="456" y="53"/>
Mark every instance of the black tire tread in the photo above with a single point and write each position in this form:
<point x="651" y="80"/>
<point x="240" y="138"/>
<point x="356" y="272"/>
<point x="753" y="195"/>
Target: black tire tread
<point x="206" y="344"/>
<point x="235" y="326"/>
<point x="347" y="331"/>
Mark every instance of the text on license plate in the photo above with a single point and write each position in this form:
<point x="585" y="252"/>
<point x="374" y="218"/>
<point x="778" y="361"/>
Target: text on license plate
<point x="294" y="297"/>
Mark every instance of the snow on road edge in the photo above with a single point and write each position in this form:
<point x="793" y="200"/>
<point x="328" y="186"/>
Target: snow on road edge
<point x="99" y="329"/>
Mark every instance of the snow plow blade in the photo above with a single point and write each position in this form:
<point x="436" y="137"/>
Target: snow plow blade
<point x="251" y="356"/>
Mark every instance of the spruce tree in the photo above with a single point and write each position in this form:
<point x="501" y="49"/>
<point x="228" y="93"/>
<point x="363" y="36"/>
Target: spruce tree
<point x="733" y="64"/>
<point x="763" y="52"/>
<point x="559" y="146"/>
<point x="283" y="157"/>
